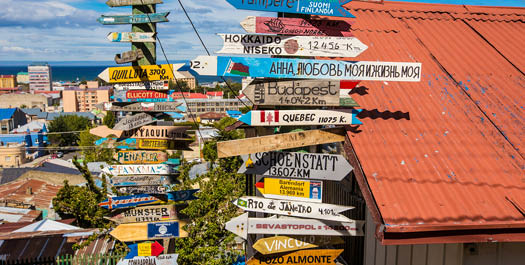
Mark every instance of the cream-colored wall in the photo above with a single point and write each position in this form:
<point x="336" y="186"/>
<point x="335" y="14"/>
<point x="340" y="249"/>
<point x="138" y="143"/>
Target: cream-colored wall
<point x="69" y="101"/>
<point x="30" y="100"/>
<point x="12" y="155"/>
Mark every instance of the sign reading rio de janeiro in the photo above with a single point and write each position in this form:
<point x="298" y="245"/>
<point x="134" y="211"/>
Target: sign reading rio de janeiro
<point x="332" y="8"/>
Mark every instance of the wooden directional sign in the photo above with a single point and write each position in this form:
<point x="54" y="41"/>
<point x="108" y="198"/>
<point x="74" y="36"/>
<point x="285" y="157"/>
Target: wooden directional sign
<point x="301" y="257"/>
<point x="146" y="214"/>
<point x="242" y="226"/>
<point x="159" y="169"/>
<point x="288" y="189"/>
<point x="141" y="157"/>
<point x="127" y="74"/>
<point x="141" y="180"/>
<point x="279" y="141"/>
<point x="149" y="231"/>
<point x="296" y="26"/>
<point x="114" y="3"/>
<point x="143" y="189"/>
<point x="129" y="201"/>
<point x="258" y="44"/>
<point x="129" y="56"/>
<point x="147" y="144"/>
<point x="144" y="250"/>
<point x="134" y="121"/>
<point x="307" y="7"/>
<point x="131" y="37"/>
<point x="306" y="68"/>
<point x="278" y="244"/>
<point x="300" y="117"/>
<point x="158" y="132"/>
<point x="164" y="259"/>
<point x="143" y="96"/>
<point x="297" y="93"/>
<point x="149" y="85"/>
<point x="134" y="19"/>
<point x="321" y="211"/>
<point x="296" y="165"/>
<point x="104" y="131"/>
<point x="144" y="107"/>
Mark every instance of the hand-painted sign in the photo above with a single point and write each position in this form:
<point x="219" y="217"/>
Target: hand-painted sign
<point x="148" y="144"/>
<point x="146" y="214"/>
<point x="134" y="19"/>
<point x="144" y="250"/>
<point x="279" y="141"/>
<point x="278" y="244"/>
<point x="143" y="189"/>
<point x="301" y="257"/>
<point x="300" y="117"/>
<point x="129" y="57"/>
<point x="141" y="157"/>
<point x="134" y="121"/>
<point x="321" y="211"/>
<point x="296" y="165"/>
<point x="242" y="226"/>
<point x="158" y="132"/>
<point x="296" y="26"/>
<point x="307" y="7"/>
<point x="114" y="3"/>
<point x="141" y="180"/>
<point x="104" y="131"/>
<point x="127" y="74"/>
<point x="131" y="37"/>
<point x="144" y="107"/>
<point x="181" y="195"/>
<point x="306" y="68"/>
<point x="143" y="96"/>
<point x="259" y="44"/>
<point x="287" y="189"/>
<point x="164" y="259"/>
<point x="148" y="85"/>
<point x="159" y="169"/>
<point x="149" y="231"/>
<point x="128" y="201"/>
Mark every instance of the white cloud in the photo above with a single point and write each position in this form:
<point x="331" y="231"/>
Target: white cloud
<point x="16" y="49"/>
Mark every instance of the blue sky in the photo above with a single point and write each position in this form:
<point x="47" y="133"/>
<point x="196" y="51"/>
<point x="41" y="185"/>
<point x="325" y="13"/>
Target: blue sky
<point x="66" y="30"/>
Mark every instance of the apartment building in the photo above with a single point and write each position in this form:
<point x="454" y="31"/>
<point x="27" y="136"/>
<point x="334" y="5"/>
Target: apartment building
<point x="7" y="81"/>
<point x="40" y="76"/>
<point x="84" y="99"/>
<point x="219" y="105"/>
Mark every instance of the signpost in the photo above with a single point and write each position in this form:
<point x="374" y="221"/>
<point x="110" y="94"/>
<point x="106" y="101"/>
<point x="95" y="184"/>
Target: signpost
<point x="141" y="180"/>
<point x="296" y="165"/>
<point x="126" y="74"/>
<point x="296" y="26"/>
<point x="153" y="85"/>
<point x="258" y="44"/>
<point x="302" y="257"/>
<point x="134" y="19"/>
<point x="149" y="231"/>
<point x="308" y="7"/>
<point x="144" y="107"/>
<point x="114" y="3"/>
<point x="278" y="244"/>
<point x="148" y="144"/>
<point x="321" y="211"/>
<point x="287" y="189"/>
<point x="306" y="68"/>
<point x="144" y="250"/>
<point x="129" y="57"/>
<point x="165" y="259"/>
<point x="143" y="189"/>
<point x="159" y="132"/>
<point x="242" y="226"/>
<point x="159" y="169"/>
<point x="128" y="201"/>
<point x="181" y="195"/>
<point x="300" y="117"/>
<point x="140" y="157"/>
<point x="131" y="37"/>
<point x="279" y="141"/>
<point x="104" y="131"/>
<point x="146" y="214"/>
<point x="134" y="121"/>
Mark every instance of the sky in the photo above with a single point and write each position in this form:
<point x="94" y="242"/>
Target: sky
<point x="67" y="30"/>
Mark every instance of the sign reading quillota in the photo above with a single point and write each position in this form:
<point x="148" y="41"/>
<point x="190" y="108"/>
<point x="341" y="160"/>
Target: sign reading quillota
<point x="144" y="107"/>
<point x="143" y="189"/>
<point x="279" y="141"/>
<point x="307" y="7"/>
<point x="141" y="157"/>
<point x="148" y="85"/>
<point x="158" y="132"/>
<point x="129" y="57"/>
<point x="300" y="117"/>
<point x="146" y="214"/>
<point x="258" y="44"/>
<point x="148" y="144"/>
<point x="296" y="165"/>
<point x="141" y="180"/>
<point x="242" y="226"/>
<point x="126" y="74"/>
<point x="144" y="250"/>
<point x="278" y="244"/>
<point x="301" y="257"/>
<point x="134" y="121"/>
<point x="160" y="169"/>
<point x="164" y="259"/>
<point x="296" y="26"/>
<point x="287" y="189"/>
<point x="129" y="201"/>
<point x="114" y="3"/>
<point x="134" y="19"/>
<point x="321" y="211"/>
<point x="131" y="36"/>
<point x="306" y="68"/>
<point x="149" y="231"/>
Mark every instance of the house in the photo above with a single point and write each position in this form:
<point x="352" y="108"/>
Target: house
<point x="211" y="117"/>
<point x="215" y="94"/>
<point x="10" y="119"/>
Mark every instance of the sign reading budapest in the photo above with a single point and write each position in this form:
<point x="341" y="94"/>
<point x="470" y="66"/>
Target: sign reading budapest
<point x="296" y="26"/>
<point x="332" y="8"/>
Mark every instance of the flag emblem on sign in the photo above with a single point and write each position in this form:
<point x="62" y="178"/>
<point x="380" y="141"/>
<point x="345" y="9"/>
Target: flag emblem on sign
<point x="242" y="203"/>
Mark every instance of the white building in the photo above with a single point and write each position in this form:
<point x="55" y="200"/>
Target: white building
<point x="40" y="76"/>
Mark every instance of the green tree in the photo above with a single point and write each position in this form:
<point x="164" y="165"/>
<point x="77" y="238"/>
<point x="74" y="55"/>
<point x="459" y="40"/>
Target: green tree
<point x="91" y="153"/>
<point x="70" y="124"/>
<point x="109" y="119"/>
<point x="178" y="86"/>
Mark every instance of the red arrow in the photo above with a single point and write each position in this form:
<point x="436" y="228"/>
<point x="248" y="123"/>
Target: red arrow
<point x="156" y="249"/>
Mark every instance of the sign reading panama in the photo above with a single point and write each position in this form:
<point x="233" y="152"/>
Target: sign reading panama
<point x="332" y="8"/>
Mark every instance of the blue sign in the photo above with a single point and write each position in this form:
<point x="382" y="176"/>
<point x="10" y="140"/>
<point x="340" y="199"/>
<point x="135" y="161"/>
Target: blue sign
<point x="163" y="229"/>
<point x="128" y="201"/>
<point x="182" y="195"/>
<point x="332" y="8"/>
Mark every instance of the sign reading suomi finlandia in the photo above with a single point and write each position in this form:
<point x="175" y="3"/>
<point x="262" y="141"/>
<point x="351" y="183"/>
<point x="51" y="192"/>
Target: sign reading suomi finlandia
<point x="301" y="117"/>
<point x="148" y="85"/>
<point x="308" y="7"/>
<point x="296" y="26"/>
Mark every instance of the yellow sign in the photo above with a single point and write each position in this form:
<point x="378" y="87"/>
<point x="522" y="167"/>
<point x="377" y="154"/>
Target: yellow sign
<point x="278" y="244"/>
<point x="128" y="74"/>
<point x="144" y="249"/>
<point x="155" y="144"/>
<point x="303" y="190"/>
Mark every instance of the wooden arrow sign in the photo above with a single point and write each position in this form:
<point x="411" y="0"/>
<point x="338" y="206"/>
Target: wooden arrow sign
<point x="143" y="189"/>
<point x="296" y="26"/>
<point x="321" y="211"/>
<point x="242" y="226"/>
<point x="129" y="201"/>
<point x="114" y="3"/>
<point x="134" y="19"/>
<point x="302" y="257"/>
<point x="141" y="180"/>
<point x="134" y="121"/>
<point x="165" y="259"/>
<point x="288" y="189"/>
<point x="131" y="36"/>
<point x="104" y="131"/>
<point x="127" y="74"/>
<point x="159" y="132"/>
<point x="159" y="169"/>
<point x="146" y="214"/>
<point x="149" y="231"/>
<point x="129" y="57"/>
<point x="140" y="157"/>
<point x="144" y="250"/>
<point x="279" y="141"/>
<point x="300" y="117"/>
<point x="296" y="165"/>
<point x="148" y="144"/>
<point x="279" y="244"/>
<point x="148" y="85"/>
<point x="258" y="44"/>
<point x="298" y="93"/>
<point x="144" y="107"/>
<point x="307" y="7"/>
<point x="306" y="68"/>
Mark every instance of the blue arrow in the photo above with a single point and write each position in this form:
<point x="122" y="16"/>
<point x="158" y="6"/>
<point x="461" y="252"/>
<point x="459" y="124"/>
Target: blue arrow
<point x="333" y="8"/>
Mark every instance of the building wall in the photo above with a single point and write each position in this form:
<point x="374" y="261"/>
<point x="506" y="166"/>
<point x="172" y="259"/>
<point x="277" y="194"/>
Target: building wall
<point x="198" y="107"/>
<point x="40" y="77"/>
<point x="12" y="155"/>
<point x="7" y="81"/>
<point x="22" y="78"/>
<point x="84" y="100"/>
<point x="30" y="100"/>
<point x="69" y="101"/>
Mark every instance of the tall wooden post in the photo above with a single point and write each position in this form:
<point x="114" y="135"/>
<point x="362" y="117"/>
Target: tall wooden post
<point x="148" y="48"/>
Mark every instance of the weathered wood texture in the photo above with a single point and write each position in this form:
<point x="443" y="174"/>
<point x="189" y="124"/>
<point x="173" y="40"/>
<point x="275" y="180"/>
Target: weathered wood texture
<point x="134" y="121"/>
<point x="301" y="257"/>
<point x="129" y="56"/>
<point x="296" y="26"/>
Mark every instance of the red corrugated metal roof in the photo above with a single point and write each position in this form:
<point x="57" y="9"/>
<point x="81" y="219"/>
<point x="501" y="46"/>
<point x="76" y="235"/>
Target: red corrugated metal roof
<point x="445" y="153"/>
<point x="41" y="195"/>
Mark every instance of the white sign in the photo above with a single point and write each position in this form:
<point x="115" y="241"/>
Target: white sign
<point x="160" y="169"/>
<point x="301" y="117"/>
<point x="164" y="259"/>
<point x="146" y="85"/>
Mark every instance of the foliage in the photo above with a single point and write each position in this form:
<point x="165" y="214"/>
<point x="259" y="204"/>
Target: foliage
<point x="23" y="106"/>
<point x="109" y="119"/>
<point x="210" y="148"/>
<point x="67" y="123"/>
<point x="94" y="154"/>
<point x="178" y="86"/>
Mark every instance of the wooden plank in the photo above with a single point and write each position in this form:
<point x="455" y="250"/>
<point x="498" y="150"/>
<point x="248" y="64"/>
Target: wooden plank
<point x="301" y="257"/>
<point x="143" y="107"/>
<point x="436" y="254"/>
<point x="149" y="231"/>
<point x="134" y="19"/>
<point x="134" y="121"/>
<point x="147" y="144"/>
<point x="129" y="57"/>
<point x="148" y="85"/>
<point x="158" y="169"/>
<point x="323" y="211"/>
<point x="114" y="3"/>
<point x="301" y="117"/>
<point x="159" y="132"/>
<point x="140" y="157"/>
<point x="105" y="131"/>
<point x="142" y="180"/>
<point x="131" y="37"/>
<point x="146" y="214"/>
<point x="276" y="45"/>
<point x="278" y="244"/>
<point x="127" y="74"/>
<point x="242" y="226"/>
<point x="297" y="26"/>
<point x="306" y="68"/>
<point x="288" y="189"/>
<point x="279" y="141"/>
<point x="143" y="189"/>
<point x="296" y="165"/>
<point x="164" y="259"/>
<point x="307" y="7"/>
<point x="129" y="201"/>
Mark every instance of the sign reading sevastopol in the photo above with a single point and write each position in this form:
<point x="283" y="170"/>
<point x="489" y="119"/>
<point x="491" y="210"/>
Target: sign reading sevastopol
<point x="134" y="121"/>
<point x="296" y="165"/>
<point x="300" y="117"/>
<point x="332" y="8"/>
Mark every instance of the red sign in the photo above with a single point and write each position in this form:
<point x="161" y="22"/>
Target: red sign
<point x="136" y="94"/>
